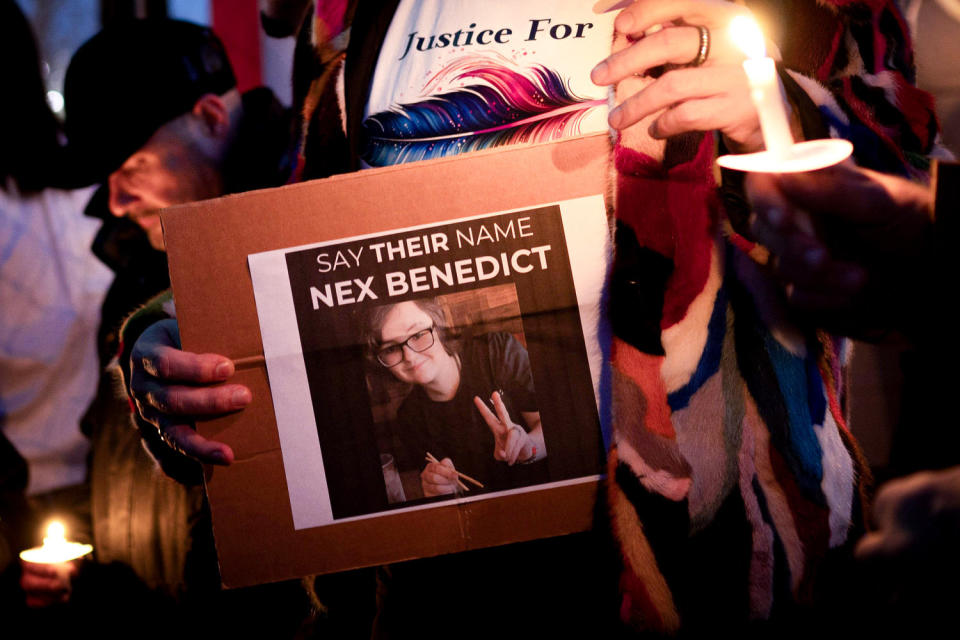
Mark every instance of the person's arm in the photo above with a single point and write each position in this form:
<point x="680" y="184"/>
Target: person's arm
<point x="535" y="433"/>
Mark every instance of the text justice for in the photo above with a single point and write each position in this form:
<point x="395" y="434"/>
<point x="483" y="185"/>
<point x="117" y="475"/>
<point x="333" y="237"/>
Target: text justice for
<point x="465" y="37"/>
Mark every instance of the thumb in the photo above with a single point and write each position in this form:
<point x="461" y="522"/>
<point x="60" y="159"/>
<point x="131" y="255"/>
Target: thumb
<point x="447" y="469"/>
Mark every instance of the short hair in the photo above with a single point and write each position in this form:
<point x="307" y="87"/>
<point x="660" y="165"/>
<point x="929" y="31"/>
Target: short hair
<point x="375" y="318"/>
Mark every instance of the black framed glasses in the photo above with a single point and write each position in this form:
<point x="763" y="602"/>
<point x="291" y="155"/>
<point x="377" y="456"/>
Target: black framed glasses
<point x="393" y="355"/>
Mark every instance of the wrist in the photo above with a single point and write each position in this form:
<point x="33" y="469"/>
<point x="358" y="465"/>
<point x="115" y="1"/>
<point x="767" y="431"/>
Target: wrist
<point x="533" y="457"/>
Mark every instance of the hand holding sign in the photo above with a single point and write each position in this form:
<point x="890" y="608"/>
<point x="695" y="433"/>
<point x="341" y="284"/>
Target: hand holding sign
<point x="512" y="443"/>
<point x="170" y="387"/>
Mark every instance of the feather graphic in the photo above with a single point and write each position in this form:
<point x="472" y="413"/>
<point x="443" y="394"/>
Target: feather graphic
<point x="497" y="106"/>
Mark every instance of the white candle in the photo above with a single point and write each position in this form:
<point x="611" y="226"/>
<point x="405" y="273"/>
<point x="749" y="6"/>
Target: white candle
<point x="764" y="86"/>
<point x="56" y="548"/>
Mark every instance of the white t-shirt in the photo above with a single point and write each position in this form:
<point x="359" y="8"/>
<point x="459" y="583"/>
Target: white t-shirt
<point x="51" y="291"/>
<point x="462" y="75"/>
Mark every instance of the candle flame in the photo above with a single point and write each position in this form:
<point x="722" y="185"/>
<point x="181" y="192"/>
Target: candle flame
<point x="747" y="34"/>
<point x="56" y="532"/>
<point x="56" y="549"/>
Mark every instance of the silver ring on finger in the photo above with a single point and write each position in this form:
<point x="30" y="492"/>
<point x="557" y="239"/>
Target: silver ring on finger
<point x="704" y="49"/>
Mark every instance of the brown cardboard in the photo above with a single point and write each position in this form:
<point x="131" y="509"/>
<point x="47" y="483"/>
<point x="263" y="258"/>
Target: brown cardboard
<point x="208" y="243"/>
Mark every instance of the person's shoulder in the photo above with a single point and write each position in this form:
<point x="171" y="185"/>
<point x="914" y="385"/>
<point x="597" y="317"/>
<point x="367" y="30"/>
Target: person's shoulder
<point x="495" y="339"/>
<point x="500" y="345"/>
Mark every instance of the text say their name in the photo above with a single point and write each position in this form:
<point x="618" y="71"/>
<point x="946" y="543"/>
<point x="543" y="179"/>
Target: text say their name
<point x="430" y="277"/>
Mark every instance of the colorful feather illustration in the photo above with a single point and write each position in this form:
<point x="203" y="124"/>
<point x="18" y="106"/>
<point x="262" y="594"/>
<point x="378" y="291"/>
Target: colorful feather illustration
<point x="498" y="106"/>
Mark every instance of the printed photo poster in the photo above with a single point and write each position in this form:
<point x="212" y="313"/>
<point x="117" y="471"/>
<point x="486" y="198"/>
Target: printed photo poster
<point x="470" y="345"/>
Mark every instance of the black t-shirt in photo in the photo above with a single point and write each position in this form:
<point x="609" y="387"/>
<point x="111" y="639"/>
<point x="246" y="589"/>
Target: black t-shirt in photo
<point x="455" y="429"/>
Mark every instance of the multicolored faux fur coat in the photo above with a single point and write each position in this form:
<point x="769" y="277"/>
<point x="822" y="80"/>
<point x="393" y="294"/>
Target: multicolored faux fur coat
<point x="733" y="477"/>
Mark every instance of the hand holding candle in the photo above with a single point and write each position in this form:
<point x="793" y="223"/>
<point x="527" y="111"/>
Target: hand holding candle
<point x="666" y="85"/>
<point x="48" y="570"/>
<point x="782" y="155"/>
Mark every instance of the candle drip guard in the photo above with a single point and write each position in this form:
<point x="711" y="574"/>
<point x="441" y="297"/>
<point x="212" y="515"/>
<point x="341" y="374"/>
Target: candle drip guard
<point x="797" y="158"/>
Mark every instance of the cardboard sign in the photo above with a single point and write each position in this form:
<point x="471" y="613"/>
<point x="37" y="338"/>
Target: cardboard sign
<point x="348" y="302"/>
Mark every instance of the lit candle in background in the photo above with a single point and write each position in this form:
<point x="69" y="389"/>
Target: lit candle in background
<point x="764" y="86"/>
<point x="56" y="548"/>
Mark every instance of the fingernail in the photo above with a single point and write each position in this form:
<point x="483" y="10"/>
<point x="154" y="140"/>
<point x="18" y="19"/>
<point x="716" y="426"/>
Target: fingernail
<point x="599" y="73"/>
<point x="624" y="22"/>
<point x="219" y="456"/>
<point x="241" y="397"/>
<point x="614" y="118"/>
<point x="224" y="369"/>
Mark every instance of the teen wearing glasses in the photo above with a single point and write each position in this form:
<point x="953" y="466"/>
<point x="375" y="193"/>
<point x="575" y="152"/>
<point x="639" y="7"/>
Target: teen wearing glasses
<point x="472" y="403"/>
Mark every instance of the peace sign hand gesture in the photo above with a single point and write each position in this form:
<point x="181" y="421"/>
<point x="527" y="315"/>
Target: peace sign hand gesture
<point x="512" y="443"/>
